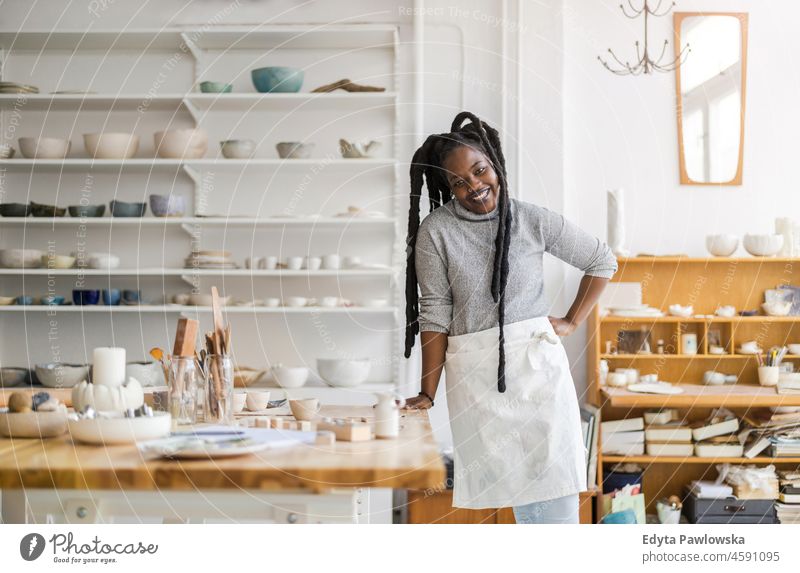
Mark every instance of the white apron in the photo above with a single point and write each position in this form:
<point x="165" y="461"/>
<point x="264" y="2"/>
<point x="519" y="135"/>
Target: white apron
<point x="521" y="446"/>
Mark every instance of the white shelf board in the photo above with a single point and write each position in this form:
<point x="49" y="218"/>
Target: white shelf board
<point x="152" y="164"/>
<point x="203" y="221"/>
<point x="236" y="102"/>
<point x="174" y="308"/>
<point x="215" y="38"/>
<point x="158" y="272"/>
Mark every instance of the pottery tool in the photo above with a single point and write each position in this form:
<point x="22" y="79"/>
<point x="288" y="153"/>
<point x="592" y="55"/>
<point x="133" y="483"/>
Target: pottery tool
<point x="158" y="354"/>
<point x="184" y="347"/>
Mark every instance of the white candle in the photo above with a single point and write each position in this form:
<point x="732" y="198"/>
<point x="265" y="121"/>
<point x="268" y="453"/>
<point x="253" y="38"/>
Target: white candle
<point x="109" y="366"/>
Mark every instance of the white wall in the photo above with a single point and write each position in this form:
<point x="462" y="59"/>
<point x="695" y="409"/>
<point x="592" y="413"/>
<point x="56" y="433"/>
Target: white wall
<point x="621" y="132"/>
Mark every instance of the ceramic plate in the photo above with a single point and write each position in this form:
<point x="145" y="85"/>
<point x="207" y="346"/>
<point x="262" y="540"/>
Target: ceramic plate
<point x="655" y="388"/>
<point x="198" y="448"/>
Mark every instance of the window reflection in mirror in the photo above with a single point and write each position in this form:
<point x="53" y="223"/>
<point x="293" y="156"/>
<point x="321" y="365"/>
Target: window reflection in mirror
<point x="711" y="97"/>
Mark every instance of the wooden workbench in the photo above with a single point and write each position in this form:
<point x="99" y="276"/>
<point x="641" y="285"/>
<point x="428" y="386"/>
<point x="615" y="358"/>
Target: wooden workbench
<point x="411" y="461"/>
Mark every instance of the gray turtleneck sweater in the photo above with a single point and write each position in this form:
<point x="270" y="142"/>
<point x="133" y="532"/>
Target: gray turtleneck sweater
<point x="455" y="257"/>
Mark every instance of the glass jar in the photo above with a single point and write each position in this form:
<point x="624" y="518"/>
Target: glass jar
<point x="219" y="389"/>
<point x="184" y="378"/>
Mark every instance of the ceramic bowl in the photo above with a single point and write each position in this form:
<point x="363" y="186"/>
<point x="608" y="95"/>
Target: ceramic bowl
<point x="20" y="258"/>
<point x="244" y="377"/>
<point x="147" y="373"/>
<point x="181" y="143"/>
<point x="238" y="148"/>
<point x="15" y="210"/>
<point x="168" y="205"/>
<point x="7" y="300"/>
<point x="52" y="300"/>
<point x="42" y="210"/>
<point x="57" y="375"/>
<point x="215" y="87"/>
<point x="680" y="310"/>
<point x="343" y="373"/>
<point x="113" y="428"/>
<point x="57" y="261"/>
<point x="111" y="145"/>
<point x="275" y="79"/>
<point x="11" y="377"/>
<point x="34" y="424"/>
<point x="44" y="147"/>
<point x="290" y="376"/>
<point x="111" y="296"/>
<point x="294" y="149"/>
<point x="88" y="211"/>
<point x="6" y="151"/>
<point x="125" y="209"/>
<point x="102" y="261"/>
<point x="763" y="245"/>
<point x="358" y="149"/>
<point x="84" y="297"/>
<point x="722" y="245"/>
<point x="295" y="301"/>
<point x="794" y="349"/>
<point x="131" y="297"/>
<point x="777" y="308"/>
<point x="23" y="300"/>
<point x="205" y="300"/>
<point x="181" y="298"/>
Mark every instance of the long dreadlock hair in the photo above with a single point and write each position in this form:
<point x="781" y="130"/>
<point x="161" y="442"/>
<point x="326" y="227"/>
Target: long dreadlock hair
<point x="428" y="163"/>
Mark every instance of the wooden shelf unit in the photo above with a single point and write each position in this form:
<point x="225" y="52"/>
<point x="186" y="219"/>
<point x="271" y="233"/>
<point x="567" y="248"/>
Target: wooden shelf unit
<point x="705" y="283"/>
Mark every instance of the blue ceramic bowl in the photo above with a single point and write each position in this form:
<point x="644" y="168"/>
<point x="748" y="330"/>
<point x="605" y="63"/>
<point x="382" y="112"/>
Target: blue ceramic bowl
<point x="111" y="296"/>
<point x="277" y="79"/>
<point x="215" y="88"/>
<point x="86" y="210"/>
<point x="167" y="205"/>
<point x="130" y="296"/>
<point x="52" y="300"/>
<point x="24" y="300"/>
<point x="85" y="297"/>
<point x="124" y="209"/>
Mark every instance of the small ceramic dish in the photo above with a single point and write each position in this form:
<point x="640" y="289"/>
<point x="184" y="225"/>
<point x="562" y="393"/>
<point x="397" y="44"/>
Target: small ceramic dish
<point x="88" y="211"/>
<point x="794" y="349"/>
<point x="126" y="209"/>
<point x="763" y="245"/>
<point x="294" y="150"/>
<point x="57" y="375"/>
<point x="209" y="87"/>
<point x="238" y="148"/>
<point x="777" y="308"/>
<point x="34" y="424"/>
<point x="15" y="210"/>
<point x="53" y="261"/>
<point x="41" y="210"/>
<point x="7" y="300"/>
<point x="11" y="377"/>
<point x="111" y="428"/>
<point x="277" y="79"/>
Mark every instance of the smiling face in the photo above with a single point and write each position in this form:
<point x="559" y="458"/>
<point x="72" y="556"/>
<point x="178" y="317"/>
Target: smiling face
<point x="472" y="179"/>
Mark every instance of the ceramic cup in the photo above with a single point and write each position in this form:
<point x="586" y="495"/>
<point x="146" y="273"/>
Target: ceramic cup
<point x="271" y="263"/>
<point x="296" y="301"/>
<point x="111" y="296"/>
<point x="351" y="262"/>
<point x="294" y="263"/>
<point x="257" y="400"/>
<point x="312" y="263"/>
<point x="253" y="262"/>
<point x="768" y="375"/>
<point x="329" y="301"/>
<point x="305" y="409"/>
<point x="239" y="400"/>
<point x="272" y="302"/>
<point x="617" y="379"/>
<point x="131" y="296"/>
<point x="331" y="262"/>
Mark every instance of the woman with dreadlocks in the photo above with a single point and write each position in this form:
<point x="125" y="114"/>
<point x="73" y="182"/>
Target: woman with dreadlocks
<point x="481" y="312"/>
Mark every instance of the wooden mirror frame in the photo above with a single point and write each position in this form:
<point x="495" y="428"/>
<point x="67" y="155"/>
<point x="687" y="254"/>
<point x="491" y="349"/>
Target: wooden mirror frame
<point x="678" y="18"/>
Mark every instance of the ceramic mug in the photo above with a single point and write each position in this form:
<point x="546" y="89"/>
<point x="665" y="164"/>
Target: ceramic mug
<point x="239" y="400"/>
<point x="294" y="263"/>
<point x="768" y="375"/>
<point x="305" y="409"/>
<point x="257" y="400"/>
<point x="312" y="263"/>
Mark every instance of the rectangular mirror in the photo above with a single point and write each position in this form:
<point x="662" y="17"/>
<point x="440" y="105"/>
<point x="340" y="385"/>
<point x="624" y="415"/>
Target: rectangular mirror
<point x="710" y="89"/>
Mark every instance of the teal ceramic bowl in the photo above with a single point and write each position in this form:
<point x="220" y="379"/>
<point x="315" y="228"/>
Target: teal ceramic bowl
<point x="277" y="79"/>
<point x="215" y="88"/>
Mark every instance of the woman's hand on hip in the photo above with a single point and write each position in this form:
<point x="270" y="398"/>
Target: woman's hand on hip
<point x="562" y="326"/>
<point x="418" y="403"/>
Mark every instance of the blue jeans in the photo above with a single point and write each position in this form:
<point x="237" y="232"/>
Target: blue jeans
<point x="559" y="510"/>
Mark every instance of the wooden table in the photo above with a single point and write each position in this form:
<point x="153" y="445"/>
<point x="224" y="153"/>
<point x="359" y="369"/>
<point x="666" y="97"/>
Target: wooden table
<point x="411" y="462"/>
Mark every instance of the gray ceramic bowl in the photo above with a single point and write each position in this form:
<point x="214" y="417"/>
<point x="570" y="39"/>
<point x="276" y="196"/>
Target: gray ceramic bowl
<point x="42" y="210"/>
<point x="57" y="375"/>
<point x="86" y="210"/>
<point x="294" y="150"/>
<point x="15" y="210"/>
<point x="124" y="209"/>
<point x="10" y="377"/>
<point x="167" y="205"/>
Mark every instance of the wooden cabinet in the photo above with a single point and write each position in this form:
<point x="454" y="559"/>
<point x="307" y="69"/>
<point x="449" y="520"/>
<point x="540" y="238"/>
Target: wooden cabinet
<point x="706" y="284"/>
<point x="437" y="507"/>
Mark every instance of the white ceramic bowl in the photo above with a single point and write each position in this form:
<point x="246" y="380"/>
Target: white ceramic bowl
<point x="238" y="148"/>
<point x="763" y="245"/>
<point x="295" y="301"/>
<point x="57" y="261"/>
<point x="111" y="145"/>
<point x="290" y="376"/>
<point x="794" y="349"/>
<point x="343" y="373"/>
<point x="147" y="373"/>
<point x="20" y="258"/>
<point x="56" y="375"/>
<point x="120" y="430"/>
<point x="777" y="308"/>
<point x="181" y="143"/>
<point x="34" y="424"/>
<point x="103" y="261"/>
<point x="206" y="299"/>
<point x="722" y="245"/>
<point x="44" y="147"/>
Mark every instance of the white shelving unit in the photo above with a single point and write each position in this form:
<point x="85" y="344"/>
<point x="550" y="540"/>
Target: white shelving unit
<point x="146" y="81"/>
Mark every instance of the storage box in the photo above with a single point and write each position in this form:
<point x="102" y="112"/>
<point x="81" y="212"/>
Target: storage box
<point x="728" y="510"/>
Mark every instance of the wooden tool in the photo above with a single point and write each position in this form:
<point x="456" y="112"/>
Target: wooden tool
<point x="185" y="338"/>
<point x="346" y="430"/>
